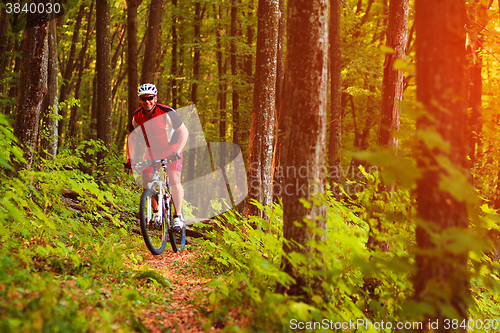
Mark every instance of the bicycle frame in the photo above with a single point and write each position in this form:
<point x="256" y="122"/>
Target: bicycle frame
<point x="161" y="185"/>
<point x="159" y="190"/>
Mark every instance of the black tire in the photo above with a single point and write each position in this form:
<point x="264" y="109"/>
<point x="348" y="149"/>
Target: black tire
<point x="177" y="239"/>
<point x="154" y="233"/>
<point x="171" y="233"/>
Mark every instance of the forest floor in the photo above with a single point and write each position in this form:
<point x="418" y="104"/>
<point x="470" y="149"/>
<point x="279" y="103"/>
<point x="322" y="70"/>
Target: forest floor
<point x="182" y="311"/>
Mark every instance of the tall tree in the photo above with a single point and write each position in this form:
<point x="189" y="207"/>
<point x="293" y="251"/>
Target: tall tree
<point x="104" y="102"/>
<point x="4" y="29"/>
<point x="279" y="121"/>
<point x="70" y="64"/>
<point x="151" y="47"/>
<point x="84" y="60"/>
<point x="234" y="64"/>
<point x="336" y="95"/>
<point x="198" y="16"/>
<point x="442" y="278"/>
<point x="132" y="6"/>
<point x="16" y="24"/>
<point x="478" y="14"/>
<point x="392" y="84"/>
<point x="32" y="84"/>
<point x="221" y="67"/>
<point x="304" y="141"/>
<point x="263" y="108"/>
<point x="173" y="65"/>
<point x="49" y="139"/>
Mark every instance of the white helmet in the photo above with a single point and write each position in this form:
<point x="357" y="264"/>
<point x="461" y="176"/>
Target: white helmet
<point x="147" y="89"/>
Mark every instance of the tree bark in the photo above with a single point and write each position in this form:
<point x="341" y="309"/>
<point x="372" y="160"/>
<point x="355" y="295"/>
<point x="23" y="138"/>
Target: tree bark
<point x="151" y="47"/>
<point x="479" y="13"/>
<point x="198" y="16"/>
<point x="442" y="277"/>
<point x="49" y="141"/>
<point x="4" y="40"/>
<point x="104" y="73"/>
<point x="263" y="108"/>
<point x="280" y="80"/>
<point x="304" y="141"/>
<point x="13" y="90"/>
<point x="68" y="69"/>
<point x="173" y="65"/>
<point x="336" y="97"/>
<point x="82" y="65"/>
<point x="392" y="83"/>
<point x="221" y="67"/>
<point x="234" y="65"/>
<point x="132" y="59"/>
<point x="32" y="85"/>
<point x="93" y="112"/>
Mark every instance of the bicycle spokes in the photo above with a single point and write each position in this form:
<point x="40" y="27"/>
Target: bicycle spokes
<point x="153" y="224"/>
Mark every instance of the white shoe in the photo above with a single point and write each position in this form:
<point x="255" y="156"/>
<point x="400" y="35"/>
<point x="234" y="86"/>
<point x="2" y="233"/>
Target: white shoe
<point x="178" y="224"/>
<point x="157" y="217"/>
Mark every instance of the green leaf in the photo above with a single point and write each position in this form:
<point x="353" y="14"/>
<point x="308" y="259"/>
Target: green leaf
<point x="387" y="49"/>
<point x="433" y="139"/>
<point x="302" y="310"/>
<point x="404" y="66"/>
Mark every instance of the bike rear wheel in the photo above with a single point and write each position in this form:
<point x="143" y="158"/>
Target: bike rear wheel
<point x="154" y="230"/>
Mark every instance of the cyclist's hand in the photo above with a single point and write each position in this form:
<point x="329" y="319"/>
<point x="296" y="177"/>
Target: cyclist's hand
<point x="128" y="164"/>
<point x="174" y="157"/>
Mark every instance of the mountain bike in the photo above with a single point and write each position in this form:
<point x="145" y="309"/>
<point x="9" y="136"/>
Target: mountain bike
<point x="156" y="224"/>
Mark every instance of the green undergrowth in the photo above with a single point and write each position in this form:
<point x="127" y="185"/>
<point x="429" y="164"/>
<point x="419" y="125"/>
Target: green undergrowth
<point x="68" y="263"/>
<point x="358" y="285"/>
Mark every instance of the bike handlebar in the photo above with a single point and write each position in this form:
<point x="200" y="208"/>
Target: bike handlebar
<point x="146" y="163"/>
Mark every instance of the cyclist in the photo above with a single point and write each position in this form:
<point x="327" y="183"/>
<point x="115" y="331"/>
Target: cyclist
<point x="168" y="136"/>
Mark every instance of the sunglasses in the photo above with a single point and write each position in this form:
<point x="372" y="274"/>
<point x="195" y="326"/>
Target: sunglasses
<point x="149" y="98"/>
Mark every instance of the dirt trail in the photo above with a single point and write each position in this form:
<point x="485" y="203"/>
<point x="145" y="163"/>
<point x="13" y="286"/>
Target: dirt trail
<point x="188" y="290"/>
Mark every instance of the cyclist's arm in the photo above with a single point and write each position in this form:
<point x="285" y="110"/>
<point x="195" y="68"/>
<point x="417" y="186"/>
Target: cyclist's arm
<point x="183" y="136"/>
<point x="134" y="123"/>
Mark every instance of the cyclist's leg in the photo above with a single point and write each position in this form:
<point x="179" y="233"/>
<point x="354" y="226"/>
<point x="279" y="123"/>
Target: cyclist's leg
<point x="147" y="177"/>
<point x="177" y="190"/>
<point x="174" y="175"/>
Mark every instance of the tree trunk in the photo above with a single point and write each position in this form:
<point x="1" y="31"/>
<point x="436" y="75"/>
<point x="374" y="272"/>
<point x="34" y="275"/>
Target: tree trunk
<point x="280" y="77"/>
<point x="68" y="68"/>
<point x="304" y="141"/>
<point x="263" y="108"/>
<point x="234" y="64"/>
<point x="392" y="84"/>
<point x="151" y="47"/>
<point x="336" y="97"/>
<point x="442" y="277"/>
<point x="173" y="65"/>
<point x="221" y="67"/>
<point x="479" y="13"/>
<point x="82" y="65"/>
<point x="32" y="84"/>
<point x="196" y="57"/>
<point x="132" y="59"/>
<point x="4" y="40"/>
<point x="13" y="90"/>
<point x="93" y="113"/>
<point x="104" y="73"/>
<point x="50" y="108"/>
<point x="198" y="16"/>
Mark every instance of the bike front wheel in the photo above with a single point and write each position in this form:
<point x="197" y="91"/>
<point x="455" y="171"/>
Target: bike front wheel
<point x="153" y="225"/>
<point x="177" y="239"/>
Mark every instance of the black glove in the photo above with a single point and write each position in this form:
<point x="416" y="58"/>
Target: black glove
<point x="174" y="157"/>
<point x="128" y="164"/>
